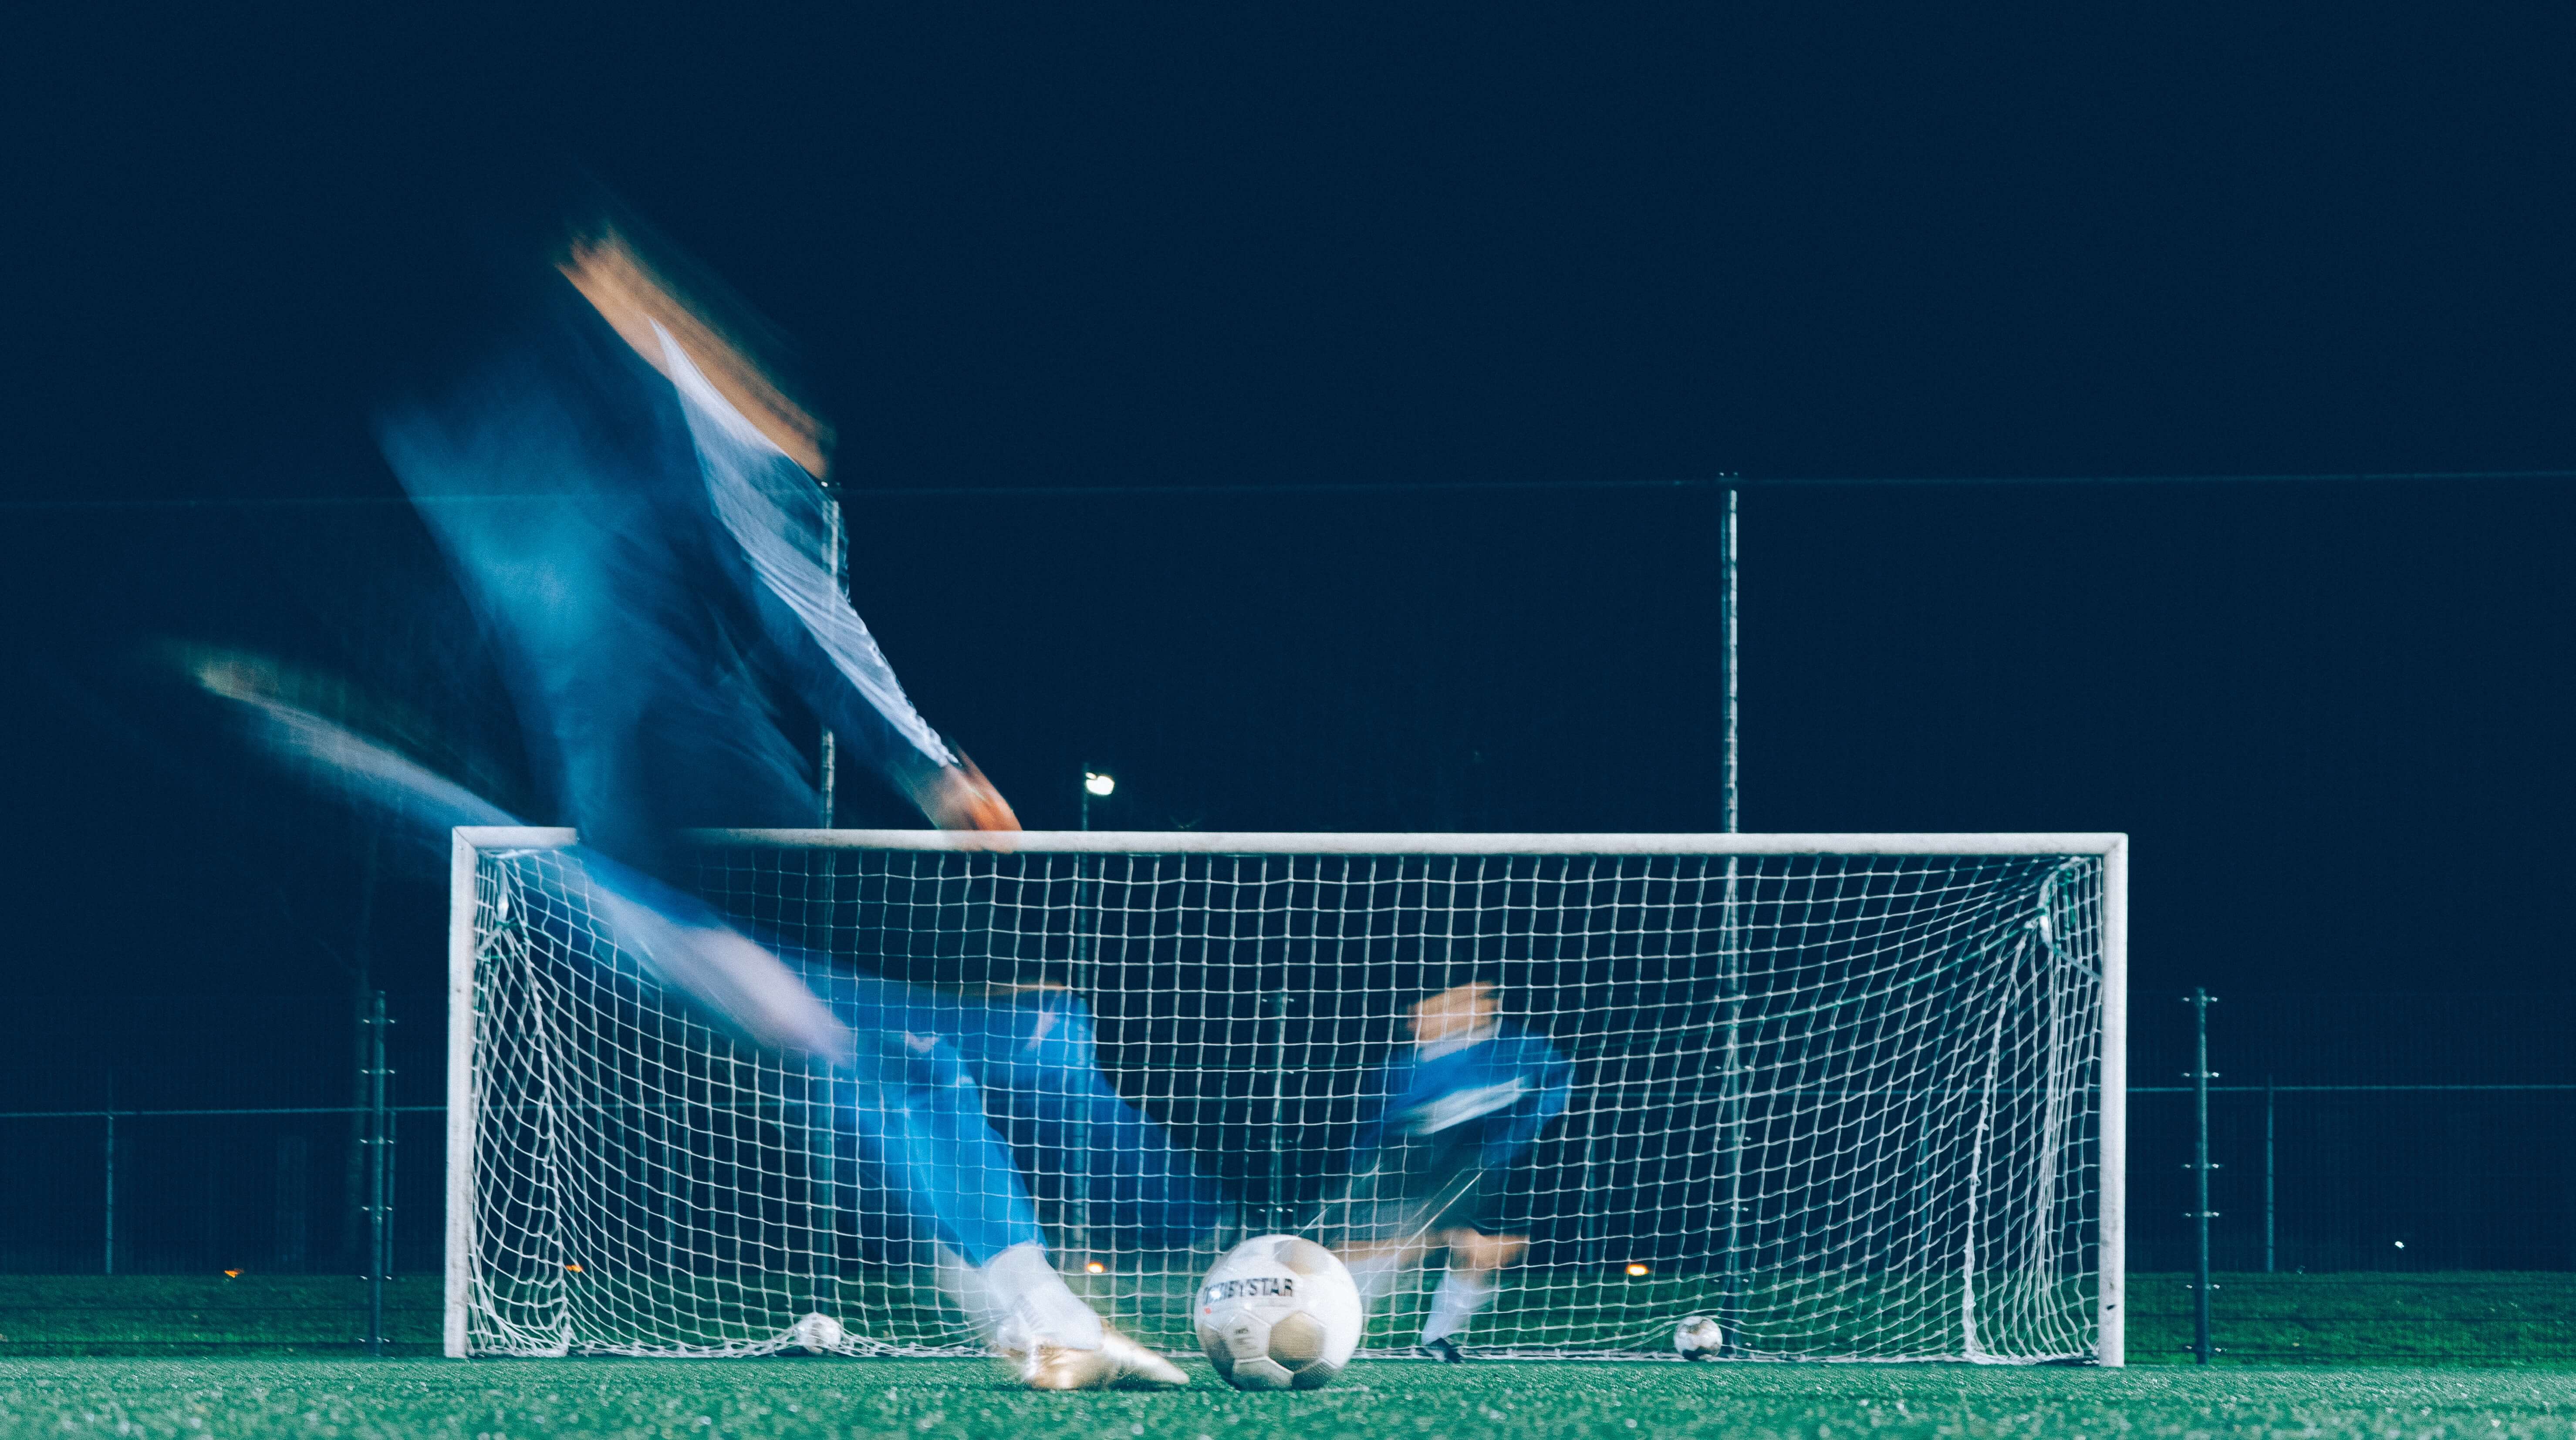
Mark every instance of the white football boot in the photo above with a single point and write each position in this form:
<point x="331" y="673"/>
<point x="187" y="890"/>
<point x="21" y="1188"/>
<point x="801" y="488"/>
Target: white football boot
<point x="1042" y="1330"/>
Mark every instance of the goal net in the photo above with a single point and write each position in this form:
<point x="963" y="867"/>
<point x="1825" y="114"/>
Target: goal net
<point x="1857" y="1097"/>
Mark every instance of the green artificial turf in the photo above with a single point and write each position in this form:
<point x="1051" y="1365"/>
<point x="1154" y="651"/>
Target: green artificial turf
<point x="212" y="1314"/>
<point x="919" y="1399"/>
<point x="2344" y="1319"/>
<point x="2473" y="1318"/>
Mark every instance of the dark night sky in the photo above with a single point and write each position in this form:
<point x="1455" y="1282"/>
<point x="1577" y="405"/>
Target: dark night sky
<point x="1262" y="248"/>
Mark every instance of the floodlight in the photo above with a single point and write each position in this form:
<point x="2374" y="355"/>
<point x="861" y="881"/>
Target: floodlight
<point x="1097" y="783"/>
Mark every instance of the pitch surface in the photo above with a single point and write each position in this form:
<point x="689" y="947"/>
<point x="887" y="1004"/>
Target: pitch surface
<point x="489" y="1400"/>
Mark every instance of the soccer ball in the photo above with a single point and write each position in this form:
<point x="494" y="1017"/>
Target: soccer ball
<point x="816" y="1334"/>
<point x="1699" y="1338"/>
<point x="1278" y="1313"/>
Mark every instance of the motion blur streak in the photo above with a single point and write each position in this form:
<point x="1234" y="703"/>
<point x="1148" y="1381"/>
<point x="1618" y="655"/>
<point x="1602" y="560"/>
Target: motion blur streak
<point x="774" y="513"/>
<point x="675" y="939"/>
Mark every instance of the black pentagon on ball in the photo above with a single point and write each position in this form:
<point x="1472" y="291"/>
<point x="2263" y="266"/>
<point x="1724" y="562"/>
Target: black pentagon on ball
<point x="1219" y="1354"/>
<point x="1315" y="1376"/>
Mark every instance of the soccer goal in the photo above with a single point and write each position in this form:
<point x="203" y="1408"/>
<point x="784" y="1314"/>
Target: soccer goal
<point x="1859" y="1097"/>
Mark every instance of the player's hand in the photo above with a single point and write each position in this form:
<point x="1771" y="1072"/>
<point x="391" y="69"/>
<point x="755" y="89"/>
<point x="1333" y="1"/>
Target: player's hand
<point x="960" y="798"/>
<point x="1462" y="1012"/>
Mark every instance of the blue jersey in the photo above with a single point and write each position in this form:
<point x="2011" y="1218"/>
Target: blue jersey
<point x="646" y="563"/>
<point x="1500" y="1091"/>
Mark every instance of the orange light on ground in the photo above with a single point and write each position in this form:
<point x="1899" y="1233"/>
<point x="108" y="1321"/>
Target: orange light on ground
<point x="1095" y="1267"/>
<point x="1636" y="1270"/>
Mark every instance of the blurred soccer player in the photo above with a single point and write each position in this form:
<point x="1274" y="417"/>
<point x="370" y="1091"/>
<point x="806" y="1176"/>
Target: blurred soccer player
<point x="633" y="508"/>
<point x="1452" y="1112"/>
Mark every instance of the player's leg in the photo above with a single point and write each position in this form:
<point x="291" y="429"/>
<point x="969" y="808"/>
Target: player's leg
<point x="925" y="1151"/>
<point x="924" y="1117"/>
<point x="928" y="1150"/>
<point x="1467" y="1283"/>
<point x="1036" y="1053"/>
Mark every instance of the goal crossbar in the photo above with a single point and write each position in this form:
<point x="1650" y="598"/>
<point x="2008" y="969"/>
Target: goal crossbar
<point x="1303" y="842"/>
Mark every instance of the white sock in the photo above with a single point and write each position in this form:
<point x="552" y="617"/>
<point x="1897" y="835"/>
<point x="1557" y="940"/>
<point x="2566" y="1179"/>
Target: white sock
<point x="1461" y="1294"/>
<point x="1018" y="1301"/>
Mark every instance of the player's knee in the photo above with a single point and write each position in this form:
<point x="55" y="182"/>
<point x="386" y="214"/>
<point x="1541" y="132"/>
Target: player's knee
<point x="1474" y="1251"/>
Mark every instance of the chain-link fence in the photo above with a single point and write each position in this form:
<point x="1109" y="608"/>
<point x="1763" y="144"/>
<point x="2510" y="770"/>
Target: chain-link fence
<point x="2392" y="1178"/>
<point x="2396" y="1132"/>
<point x="196" y="1135"/>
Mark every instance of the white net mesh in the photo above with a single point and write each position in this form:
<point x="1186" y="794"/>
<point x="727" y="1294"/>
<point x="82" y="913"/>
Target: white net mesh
<point x="1848" y="1104"/>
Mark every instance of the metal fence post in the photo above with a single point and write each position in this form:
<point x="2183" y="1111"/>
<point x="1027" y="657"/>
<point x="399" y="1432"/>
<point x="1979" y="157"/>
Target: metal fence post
<point x="2268" y="1258"/>
<point x="1731" y="1099"/>
<point x="2201" y="1213"/>
<point x="1731" y="1108"/>
<point x="1728" y="623"/>
<point x="107" y="1218"/>
<point x="379" y="1139"/>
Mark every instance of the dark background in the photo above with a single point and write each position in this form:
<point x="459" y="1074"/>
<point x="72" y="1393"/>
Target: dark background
<point x="1460" y="248"/>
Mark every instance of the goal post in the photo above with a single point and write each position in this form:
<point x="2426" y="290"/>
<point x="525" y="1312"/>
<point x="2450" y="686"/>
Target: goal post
<point x="1857" y="1095"/>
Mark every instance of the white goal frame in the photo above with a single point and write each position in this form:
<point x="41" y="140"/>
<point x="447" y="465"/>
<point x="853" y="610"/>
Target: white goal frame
<point x="2113" y="848"/>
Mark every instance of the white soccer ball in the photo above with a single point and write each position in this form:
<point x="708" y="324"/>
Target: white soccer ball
<point x="1699" y="1337"/>
<point x="1278" y="1313"/>
<point x="816" y="1334"/>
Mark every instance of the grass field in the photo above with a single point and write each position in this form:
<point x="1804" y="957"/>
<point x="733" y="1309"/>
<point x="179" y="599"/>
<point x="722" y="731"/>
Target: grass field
<point x="2469" y="1319"/>
<point x="919" y="1399"/>
<point x="139" y="1315"/>
<point x="200" y="1356"/>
